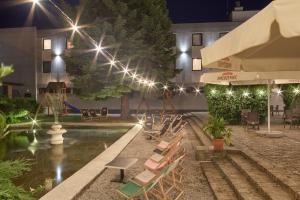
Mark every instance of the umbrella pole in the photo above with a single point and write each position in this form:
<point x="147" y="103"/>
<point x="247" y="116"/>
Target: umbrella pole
<point x="269" y="110"/>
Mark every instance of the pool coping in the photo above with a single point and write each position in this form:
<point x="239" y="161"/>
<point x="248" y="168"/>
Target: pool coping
<point x="73" y="185"/>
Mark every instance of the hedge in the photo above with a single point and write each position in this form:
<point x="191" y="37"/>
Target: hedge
<point x="228" y="101"/>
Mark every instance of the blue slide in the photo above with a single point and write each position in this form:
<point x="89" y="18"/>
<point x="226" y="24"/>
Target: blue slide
<point x="75" y="109"/>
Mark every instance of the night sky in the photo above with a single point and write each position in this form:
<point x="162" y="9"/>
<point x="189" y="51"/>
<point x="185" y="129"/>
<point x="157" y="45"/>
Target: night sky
<point x="180" y="11"/>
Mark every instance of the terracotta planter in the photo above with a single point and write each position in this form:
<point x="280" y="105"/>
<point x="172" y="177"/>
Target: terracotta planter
<point x="218" y="144"/>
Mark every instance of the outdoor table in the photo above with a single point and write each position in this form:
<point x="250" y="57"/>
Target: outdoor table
<point x="121" y="164"/>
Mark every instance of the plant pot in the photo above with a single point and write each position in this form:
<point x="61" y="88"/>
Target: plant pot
<point x="218" y="144"/>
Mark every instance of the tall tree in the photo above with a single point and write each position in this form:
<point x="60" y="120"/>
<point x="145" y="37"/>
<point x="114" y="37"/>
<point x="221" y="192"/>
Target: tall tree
<point x="138" y="32"/>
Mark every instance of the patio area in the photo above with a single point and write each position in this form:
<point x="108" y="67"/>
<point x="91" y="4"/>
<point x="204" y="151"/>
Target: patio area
<point x="195" y="185"/>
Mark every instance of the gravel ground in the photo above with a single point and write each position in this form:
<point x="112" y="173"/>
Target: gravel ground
<point x="195" y="185"/>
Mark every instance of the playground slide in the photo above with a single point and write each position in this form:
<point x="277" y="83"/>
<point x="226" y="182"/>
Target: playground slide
<point x="75" y="109"/>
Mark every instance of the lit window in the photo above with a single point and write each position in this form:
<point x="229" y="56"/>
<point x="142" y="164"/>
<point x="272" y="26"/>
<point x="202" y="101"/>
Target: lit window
<point x="197" y="39"/>
<point x="197" y="64"/>
<point x="47" y="43"/>
<point x="46" y="67"/>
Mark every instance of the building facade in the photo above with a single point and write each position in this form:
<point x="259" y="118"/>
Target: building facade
<point x="37" y="57"/>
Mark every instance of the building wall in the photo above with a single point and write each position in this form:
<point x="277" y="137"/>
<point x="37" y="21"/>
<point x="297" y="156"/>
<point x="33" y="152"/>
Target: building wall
<point x="18" y="48"/>
<point x="186" y="51"/>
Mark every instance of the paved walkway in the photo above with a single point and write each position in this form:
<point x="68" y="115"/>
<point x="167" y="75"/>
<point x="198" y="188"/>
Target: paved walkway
<point x="282" y="153"/>
<point x="195" y="184"/>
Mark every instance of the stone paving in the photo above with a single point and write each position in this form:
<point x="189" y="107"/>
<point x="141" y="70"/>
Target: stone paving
<point x="282" y="153"/>
<point x="195" y="185"/>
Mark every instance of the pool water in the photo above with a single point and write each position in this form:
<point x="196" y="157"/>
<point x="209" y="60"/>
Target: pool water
<point x="55" y="163"/>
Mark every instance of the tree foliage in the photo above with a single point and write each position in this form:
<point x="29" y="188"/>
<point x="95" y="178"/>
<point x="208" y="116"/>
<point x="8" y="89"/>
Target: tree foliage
<point x="221" y="104"/>
<point x="139" y="34"/>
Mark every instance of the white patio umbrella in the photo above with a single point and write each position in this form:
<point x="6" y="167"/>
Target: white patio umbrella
<point x="269" y="41"/>
<point x="253" y="78"/>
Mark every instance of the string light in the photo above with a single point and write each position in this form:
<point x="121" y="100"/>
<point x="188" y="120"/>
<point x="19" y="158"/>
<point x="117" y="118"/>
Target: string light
<point x="151" y="84"/>
<point x="229" y="92"/>
<point x="213" y="91"/>
<point x="75" y="27"/>
<point x="165" y="87"/>
<point x="246" y="94"/>
<point x="141" y="122"/>
<point x="181" y="89"/>
<point x="34" y="122"/>
<point x="296" y="91"/>
<point x="279" y="92"/>
<point x="125" y="71"/>
<point x="113" y="62"/>
<point x="98" y="48"/>
<point x="133" y="76"/>
<point x="197" y="91"/>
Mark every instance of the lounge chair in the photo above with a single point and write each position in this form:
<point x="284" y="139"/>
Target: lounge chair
<point x="252" y="120"/>
<point x="85" y="114"/>
<point x="134" y="190"/>
<point x="164" y="146"/>
<point x="158" y="161"/>
<point x="160" y="132"/>
<point x="104" y="112"/>
<point x="93" y="114"/>
<point x="170" y="178"/>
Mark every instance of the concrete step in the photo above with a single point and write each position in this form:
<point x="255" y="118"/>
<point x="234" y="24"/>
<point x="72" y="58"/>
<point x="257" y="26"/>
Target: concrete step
<point x="221" y="189"/>
<point x="205" y="140"/>
<point x="265" y="183"/>
<point x="243" y="188"/>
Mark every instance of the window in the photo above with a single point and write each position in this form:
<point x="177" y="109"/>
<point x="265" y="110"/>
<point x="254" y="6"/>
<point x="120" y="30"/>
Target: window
<point x="47" y="44"/>
<point x="197" y="39"/>
<point x="222" y="34"/>
<point x="197" y="64"/>
<point x="47" y="67"/>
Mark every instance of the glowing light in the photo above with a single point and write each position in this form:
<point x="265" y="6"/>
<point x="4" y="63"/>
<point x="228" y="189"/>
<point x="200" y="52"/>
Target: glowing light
<point x="98" y="48"/>
<point x="296" y="91"/>
<point x="58" y="173"/>
<point x="213" y="91"/>
<point x="197" y="90"/>
<point x="165" y="87"/>
<point x="246" y="94"/>
<point x="75" y="27"/>
<point x="34" y="131"/>
<point x="34" y="121"/>
<point x="229" y="92"/>
<point x="125" y="71"/>
<point x="112" y="62"/>
<point x="181" y="89"/>
<point x="279" y="92"/>
<point x="133" y="76"/>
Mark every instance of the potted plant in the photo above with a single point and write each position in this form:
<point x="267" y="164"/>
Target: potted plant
<point x="220" y="133"/>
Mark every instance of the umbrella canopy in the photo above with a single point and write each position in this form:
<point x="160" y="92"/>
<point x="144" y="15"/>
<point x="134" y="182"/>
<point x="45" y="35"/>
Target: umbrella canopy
<point x="269" y="41"/>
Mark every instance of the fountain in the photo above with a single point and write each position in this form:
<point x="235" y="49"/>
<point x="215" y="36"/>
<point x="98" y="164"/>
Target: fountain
<point x="56" y="133"/>
<point x="55" y="102"/>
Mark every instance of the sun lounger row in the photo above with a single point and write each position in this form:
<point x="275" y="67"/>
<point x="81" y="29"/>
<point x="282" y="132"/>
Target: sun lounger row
<point x="90" y="114"/>
<point x="162" y="176"/>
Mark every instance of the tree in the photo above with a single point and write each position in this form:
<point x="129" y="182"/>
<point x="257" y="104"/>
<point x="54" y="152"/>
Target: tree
<point x="139" y="34"/>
